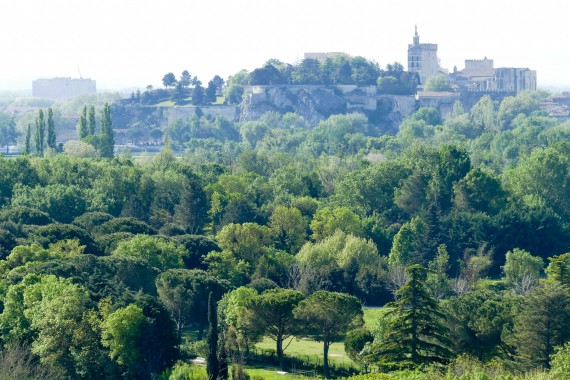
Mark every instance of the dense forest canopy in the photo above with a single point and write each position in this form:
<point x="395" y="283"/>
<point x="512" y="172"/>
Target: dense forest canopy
<point x="460" y="228"/>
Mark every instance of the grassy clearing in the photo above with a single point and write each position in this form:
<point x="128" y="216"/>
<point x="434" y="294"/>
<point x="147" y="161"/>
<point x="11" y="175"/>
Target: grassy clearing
<point x="273" y="373"/>
<point x="372" y="315"/>
<point x="309" y="350"/>
<point x="166" y="103"/>
<point x="220" y="100"/>
<point x="312" y="351"/>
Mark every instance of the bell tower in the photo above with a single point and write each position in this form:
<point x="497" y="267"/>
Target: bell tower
<point x="422" y="58"/>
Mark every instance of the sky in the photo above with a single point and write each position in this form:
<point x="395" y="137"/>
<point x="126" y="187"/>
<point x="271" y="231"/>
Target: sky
<point x="125" y="44"/>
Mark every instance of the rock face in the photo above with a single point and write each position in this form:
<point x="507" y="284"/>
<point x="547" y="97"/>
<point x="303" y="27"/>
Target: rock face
<point x="313" y="103"/>
<point x="316" y="103"/>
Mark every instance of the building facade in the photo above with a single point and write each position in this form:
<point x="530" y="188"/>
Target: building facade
<point x="62" y="88"/>
<point x="422" y="58"/>
<point x="481" y="75"/>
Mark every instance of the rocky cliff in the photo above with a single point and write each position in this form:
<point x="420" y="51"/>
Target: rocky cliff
<point x="314" y="103"/>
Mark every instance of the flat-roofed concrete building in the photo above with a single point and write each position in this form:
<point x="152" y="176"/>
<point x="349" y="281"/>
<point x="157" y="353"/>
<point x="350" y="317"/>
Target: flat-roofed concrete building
<point x="62" y="88"/>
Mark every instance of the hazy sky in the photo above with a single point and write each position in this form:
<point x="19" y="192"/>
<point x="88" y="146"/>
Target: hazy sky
<point x="133" y="43"/>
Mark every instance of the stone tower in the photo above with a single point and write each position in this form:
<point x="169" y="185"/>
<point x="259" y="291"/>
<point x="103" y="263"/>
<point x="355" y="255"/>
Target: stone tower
<point x="422" y="58"/>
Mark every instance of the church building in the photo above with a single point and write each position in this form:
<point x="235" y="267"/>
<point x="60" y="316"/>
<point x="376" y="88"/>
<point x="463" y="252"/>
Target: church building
<point x="422" y="58"/>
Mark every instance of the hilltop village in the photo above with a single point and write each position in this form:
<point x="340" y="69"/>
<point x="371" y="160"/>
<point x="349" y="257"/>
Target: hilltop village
<point x="316" y="100"/>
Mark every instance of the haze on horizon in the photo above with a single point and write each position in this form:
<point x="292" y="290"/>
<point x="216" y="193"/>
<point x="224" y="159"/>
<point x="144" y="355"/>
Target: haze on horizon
<point x="133" y="43"/>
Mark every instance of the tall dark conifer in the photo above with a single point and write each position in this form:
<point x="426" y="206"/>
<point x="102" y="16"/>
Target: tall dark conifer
<point x="40" y="133"/>
<point x="213" y="364"/>
<point x="28" y="141"/>
<point x="107" y="143"/>
<point x="51" y="137"/>
<point x="92" y="122"/>
<point x="417" y="334"/>
<point x="82" y="128"/>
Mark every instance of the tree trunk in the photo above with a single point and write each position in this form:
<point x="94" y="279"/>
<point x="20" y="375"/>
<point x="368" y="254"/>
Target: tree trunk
<point x="326" y="358"/>
<point x="280" y="355"/>
<point x="201" y="330"/>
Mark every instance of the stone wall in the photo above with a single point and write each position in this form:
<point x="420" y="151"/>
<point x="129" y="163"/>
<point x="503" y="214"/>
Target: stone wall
<point x="470" y="98"/>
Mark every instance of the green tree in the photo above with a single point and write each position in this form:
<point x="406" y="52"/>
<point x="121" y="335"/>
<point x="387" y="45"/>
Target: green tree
<point x="544" y="177"/>
<point x="327" y="221"/>
<point x="407" y="248"/>
<point x="483" y="114"/>
<point x="511" y="107"/>
<point x="233" y="94"/>
<point x="28" y="140"/>
<point x="272" y="313"/>
<point x="198" y="95"/>
<point x="561" y="362"/>
<point x="429" y="115"/>
<point x="82" y="127"/>
<point x="248" y="241"/>
<point x="51" y="137"/>
<point x="174" y="288"/>
<point x="200" y="284"/>
<point x="479" y="190"/>
<point x="91" y="121"/>
<point x="120" y="332"/>
<point x="522" y="270"/>
<point x="559" y="269"/>
<point x="157" y="252"/>
<point x="107" y="136"/>
<point x="8" y="133"/>
<point x="169" y="80"/>
<point x="417" y="333"/>
<point x="327" y="317"/>
<point x="40" y="133"/>
<point x="437" y="281"/>
<point x="341" y="262"/>
<point x="542" y="324"/>
<point x="453" y="164"/>
<point x="212" y="362"/>
<point x="192" y="211"/>
<point x="54" y="308"/>
<point x="437" y="83"/>
<point x="479" y="321"/>
<point x="185" y="79"/>
<point x="354" y="344"/>
<point x="289" y="228"/>
<point x="62" y="202"/>
<point x="210" y="93"/>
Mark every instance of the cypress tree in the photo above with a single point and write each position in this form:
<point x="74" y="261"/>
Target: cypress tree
<point x="107" y="136"/>
<point x="213" y="364"/>
<point x="82" y="129"/>
<point x="28" y="142"/>
<point x="417" y="334"/>
<point x="224" y="374"/>
<point x="92" y="120"/>
<point x="51" y="138"/>
<point x="40" y="133"/>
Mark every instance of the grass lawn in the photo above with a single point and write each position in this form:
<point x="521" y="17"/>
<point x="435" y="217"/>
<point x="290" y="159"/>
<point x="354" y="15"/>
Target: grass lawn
<point x="372" y="315"/>
<point x="166" y="103"/>
<point x="303" y="348"/>
<point x="220" y="100"/>
<point x="272" y="373"/>
<point x="309" y="350"/>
